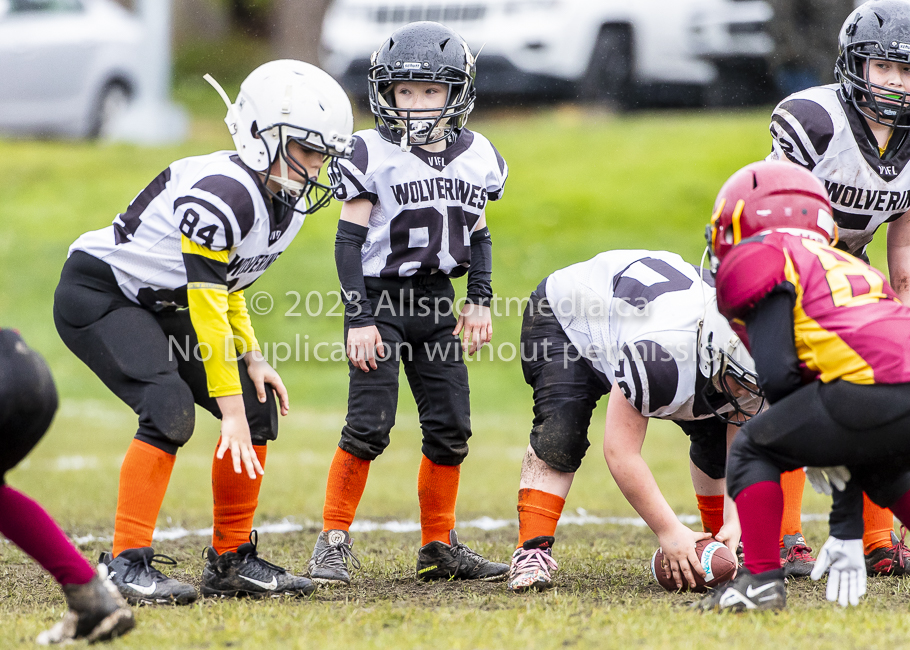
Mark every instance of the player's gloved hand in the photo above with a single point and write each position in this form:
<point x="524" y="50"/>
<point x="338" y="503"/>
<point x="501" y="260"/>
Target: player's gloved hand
<point x="680" y="559"/>
<point x="822" y="478"/>
<point x="845" y="563"/>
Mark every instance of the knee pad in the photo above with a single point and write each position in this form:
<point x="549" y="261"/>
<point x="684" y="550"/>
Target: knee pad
<point x="28" y="398"/>
<point x="168" y="411"/>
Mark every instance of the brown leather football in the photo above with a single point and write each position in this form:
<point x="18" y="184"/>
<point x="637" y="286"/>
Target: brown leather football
<point x="716" y="559"/>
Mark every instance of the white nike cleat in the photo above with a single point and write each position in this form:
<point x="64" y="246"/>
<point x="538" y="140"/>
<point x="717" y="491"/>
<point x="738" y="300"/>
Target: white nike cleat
<point x="244" y="573"/>
<point x="747" y="592"/>
<point x="141" y="583"/>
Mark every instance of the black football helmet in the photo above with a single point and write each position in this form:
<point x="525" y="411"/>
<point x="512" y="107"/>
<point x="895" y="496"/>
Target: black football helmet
<point x="879" y="29"/>
<point x="429" y="52"/>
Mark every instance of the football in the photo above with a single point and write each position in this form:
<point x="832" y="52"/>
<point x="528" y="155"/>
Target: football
<point x="716" y="559"/>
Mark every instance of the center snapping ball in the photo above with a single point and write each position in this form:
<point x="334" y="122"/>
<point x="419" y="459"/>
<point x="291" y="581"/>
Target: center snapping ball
<point x="716" y="559"/>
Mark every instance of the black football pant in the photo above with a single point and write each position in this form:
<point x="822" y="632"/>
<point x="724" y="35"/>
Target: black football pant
<point x="864" y="427"/>
<point x="415" y="319"/>
<point x="567" y="388"/>
<point x="147" y="359"/>
<point x="28" y="399"/>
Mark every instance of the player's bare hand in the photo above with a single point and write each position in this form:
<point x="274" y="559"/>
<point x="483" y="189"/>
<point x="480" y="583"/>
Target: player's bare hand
<point x="729" y="535"/>
<point x="235" y="435"/>
<point x="477" y="324"/>
<point x="364" y="343"/>
<point x="262" y="373"/>
<point x="680" y="559"/>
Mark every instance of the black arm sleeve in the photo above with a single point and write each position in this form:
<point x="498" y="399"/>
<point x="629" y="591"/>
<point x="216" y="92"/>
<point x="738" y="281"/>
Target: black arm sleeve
<point x="770" y="329"/>
<point x="481" y="269"/>
<point x="349" y="241"/>
<point x="846" y="519"/>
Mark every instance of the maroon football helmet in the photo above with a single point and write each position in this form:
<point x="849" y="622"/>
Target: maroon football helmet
<point x="769" y="196"/>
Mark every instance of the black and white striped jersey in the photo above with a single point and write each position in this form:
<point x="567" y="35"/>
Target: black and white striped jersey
<point x="633" y="315"/>
<point x="817" y="129"/>
<point x="213" y="200"/>
<point x="425" y="205"/>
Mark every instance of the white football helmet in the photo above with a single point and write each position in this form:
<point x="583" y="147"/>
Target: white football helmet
<point x="283" y="101"/>
<point x="722" y="355"/>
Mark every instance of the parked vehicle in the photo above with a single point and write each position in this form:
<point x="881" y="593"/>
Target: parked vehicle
<point x="67" y="67"/>
<point x="596" y="50"/>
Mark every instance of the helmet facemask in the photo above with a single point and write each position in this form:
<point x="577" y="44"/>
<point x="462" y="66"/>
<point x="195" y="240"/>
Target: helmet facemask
<point x="421" y="126"/>
<point x="880" y="104"/>
<point x="729" y="370"/>
<point x="316" y="194"/>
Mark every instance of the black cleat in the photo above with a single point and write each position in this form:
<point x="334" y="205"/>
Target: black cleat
<point x="796" y="557"/>
<point x="438" y="561"/>
<point x="97" y="612"/>
<point x="747" y="592"/>
<point x="244" y="573"/>
<point x="142" y="584"/>
<point x="891" y="560"/>
<point x="329" y="563"/>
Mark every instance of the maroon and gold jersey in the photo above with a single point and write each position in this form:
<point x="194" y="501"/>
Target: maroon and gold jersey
<point x="848" y="323"/>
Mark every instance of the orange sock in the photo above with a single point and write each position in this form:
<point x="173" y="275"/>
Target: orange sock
<point x="711" y="507"/>
<point x="437" y="491"/>
<point x="347" y="479"/>
<point x="877" y="526"/>
<point x="234" y="500"/>
<point x="792" y="484"/>
<point x="144" y="476"/>
<point x="538" y="514"/>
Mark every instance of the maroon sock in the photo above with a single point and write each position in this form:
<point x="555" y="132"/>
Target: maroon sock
<point x="28" y="526"/>
<point x="901" y="509"/>
<point x="761" y="509"/>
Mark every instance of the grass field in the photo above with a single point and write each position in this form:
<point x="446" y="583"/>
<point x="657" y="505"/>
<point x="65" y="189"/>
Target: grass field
<point x="581" y="182"/>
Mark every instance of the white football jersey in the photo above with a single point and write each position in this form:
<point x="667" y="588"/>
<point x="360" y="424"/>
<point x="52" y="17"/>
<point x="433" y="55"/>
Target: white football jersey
<point x="634" y="314"/>
<point x="817" y="129"/>
<point x="214" y="200"/>
<point x="425" y="205"/>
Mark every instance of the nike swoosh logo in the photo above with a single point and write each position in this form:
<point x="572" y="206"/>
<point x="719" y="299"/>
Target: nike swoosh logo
<point x="751" y="593"/>
<point x="145" y="591"/>
<point x="263" y="585"/>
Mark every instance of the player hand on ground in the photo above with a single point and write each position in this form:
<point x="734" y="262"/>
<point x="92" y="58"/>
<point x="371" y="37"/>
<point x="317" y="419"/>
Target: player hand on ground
<point x="680" y="559"/>
<point x="364" y="343"/>
<point x="729" y="535"/>
<point x="235" y="435"/>
<point x="823" y="478"/>
<point x="262" y="373"/>
<point x="477" y="324"/>
<point x="845" y="563"/>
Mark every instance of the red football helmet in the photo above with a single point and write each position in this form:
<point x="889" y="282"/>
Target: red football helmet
<point x="769" y="196"/>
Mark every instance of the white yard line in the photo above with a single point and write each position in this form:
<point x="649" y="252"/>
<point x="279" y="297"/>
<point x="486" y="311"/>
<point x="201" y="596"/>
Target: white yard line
<point x="580" y="518"/>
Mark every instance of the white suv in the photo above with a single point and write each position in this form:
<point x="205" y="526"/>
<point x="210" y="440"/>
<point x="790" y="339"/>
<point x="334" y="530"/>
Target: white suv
<point x="592" y="49"/>
<point x="67" y="67"/>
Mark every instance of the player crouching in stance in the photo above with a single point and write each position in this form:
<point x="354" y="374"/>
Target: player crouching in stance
<point x="142" y="301"/>
<point x="415" y="190"/>
<point x="644" y="327"/>
<point x="28" y="400"/>
<point x="831" y="343"/>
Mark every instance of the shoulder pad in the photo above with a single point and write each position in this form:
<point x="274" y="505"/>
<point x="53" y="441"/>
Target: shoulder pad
<point x="746" y="275"/>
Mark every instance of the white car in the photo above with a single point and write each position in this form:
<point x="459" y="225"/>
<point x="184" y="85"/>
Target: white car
<point x="625" y="50"/>
<point x="67" y="67"/>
